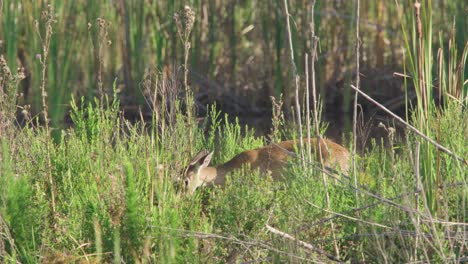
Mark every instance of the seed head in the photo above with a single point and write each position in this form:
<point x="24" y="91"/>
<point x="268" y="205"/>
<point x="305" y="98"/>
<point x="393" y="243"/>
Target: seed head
<point x="185" y="19"/>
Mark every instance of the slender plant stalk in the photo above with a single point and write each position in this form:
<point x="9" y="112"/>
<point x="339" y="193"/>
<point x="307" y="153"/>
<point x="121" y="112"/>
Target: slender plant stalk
<point x="45" y="42"/>
<point x="296" y="81"/>
<point x="185" y="20"/>
<point x="102" y="36"/>
<point x="417" y="190"/>
<point x="302" y="243"/>
<point x="98" y="239"/>
<point x="358" y="79"/>
<point x="307" y="101"/>
<point x="126" y="46"/>
<point x="316" y="122"/>
<point x="117" y="245"/>
<point x="315" y="41"/>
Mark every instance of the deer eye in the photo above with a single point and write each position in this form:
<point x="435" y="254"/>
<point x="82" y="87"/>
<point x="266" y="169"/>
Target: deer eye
<point x="186" y="183"/>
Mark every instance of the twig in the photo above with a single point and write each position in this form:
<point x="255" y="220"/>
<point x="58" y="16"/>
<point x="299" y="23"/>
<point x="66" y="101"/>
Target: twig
<point x="307" y="101"/>
<point x="126" y="46"/>
<point x="324" y="220"/>
<point x="355" y="102"/>
<point x="296" y="80"/>
<point x="417" y="189"/>
<point x="314" y="40"/>
<point x="45" y="43"/>
<point x="235" y="240"/>
<point x="446" y="223"/>
<point x="300" y="242"/>
<point x="348" y="217"/>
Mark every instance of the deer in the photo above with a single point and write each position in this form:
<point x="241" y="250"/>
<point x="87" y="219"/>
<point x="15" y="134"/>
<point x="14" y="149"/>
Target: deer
<point x="270" y="159"/>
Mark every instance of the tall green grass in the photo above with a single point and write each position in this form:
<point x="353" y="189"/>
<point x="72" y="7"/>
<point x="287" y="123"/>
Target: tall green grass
<point x="144" y="34"/>
<point x="425" y="65"/>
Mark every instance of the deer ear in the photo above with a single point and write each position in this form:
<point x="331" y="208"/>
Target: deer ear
<point x="201" y="160"/>
<point x="200" y="156"/>
<point x="206" y="160"/>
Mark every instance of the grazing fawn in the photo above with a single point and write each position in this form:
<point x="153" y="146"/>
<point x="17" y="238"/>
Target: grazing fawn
<point x="268" y="159"/>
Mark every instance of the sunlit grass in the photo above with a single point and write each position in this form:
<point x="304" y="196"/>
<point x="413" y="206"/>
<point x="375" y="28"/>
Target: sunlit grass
<point x="104" y="190"/>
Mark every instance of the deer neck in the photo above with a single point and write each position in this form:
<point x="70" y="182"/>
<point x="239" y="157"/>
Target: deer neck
<point x="212" y="176"/>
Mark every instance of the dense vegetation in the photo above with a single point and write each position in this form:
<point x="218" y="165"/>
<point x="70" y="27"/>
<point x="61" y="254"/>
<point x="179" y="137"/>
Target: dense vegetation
<point x="101" y="187"/>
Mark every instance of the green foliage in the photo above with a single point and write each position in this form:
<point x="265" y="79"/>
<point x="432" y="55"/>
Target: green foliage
<point x="139" y="35"/>
<point x="112" y="197"/>
<point x="418" y="34"/>
<point x="24" y="214"/>
<point x="113" y="181"/>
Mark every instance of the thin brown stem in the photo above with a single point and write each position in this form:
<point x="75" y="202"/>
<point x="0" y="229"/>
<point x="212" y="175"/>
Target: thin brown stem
<point x="296" y="81"/>
<point x="45" y="42"/>
<point x="302" y="243"/>
<point x="307" y="100"/>
<point x="315" y="40"/>
<point x="355" y="104"/>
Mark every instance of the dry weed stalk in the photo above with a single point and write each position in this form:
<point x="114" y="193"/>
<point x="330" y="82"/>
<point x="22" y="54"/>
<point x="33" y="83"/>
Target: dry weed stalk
<point x="185" y="19"/>
<point x="126" y="43"/>
<point x="355" y="104"/>
<point x="302" y="243"/>
<point x="103" y="41"/>
<point x="307" y="108"/>
<point x="8" y="94"/>
<point x="315" y="41"/>
<point x="296" y="80"/>
<point x="48" y="18"/>
<point x="277" y="118"/>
